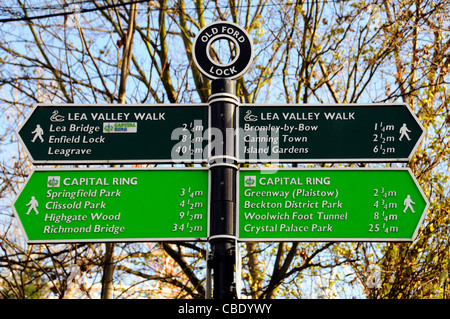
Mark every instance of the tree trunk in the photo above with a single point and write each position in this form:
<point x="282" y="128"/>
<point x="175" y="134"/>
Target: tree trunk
<point x="108" y="272"/>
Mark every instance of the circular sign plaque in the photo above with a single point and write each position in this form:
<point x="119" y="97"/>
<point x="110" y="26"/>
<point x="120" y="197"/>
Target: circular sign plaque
<point x="234" y="34"/>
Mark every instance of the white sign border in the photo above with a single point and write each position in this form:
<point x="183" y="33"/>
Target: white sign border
<point x="129" y="161"/>
<point x="331" y="239"/>
<point x="119" y="240"/>
<point x="242" y="160"/>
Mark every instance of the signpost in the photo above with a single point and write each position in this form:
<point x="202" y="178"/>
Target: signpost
<point x="327" y="133"/>
<point x="71" y="133"/>
<point x="336" y="204"/>
<point x="223" y="165"/>
<point x="114" y="205"/>
<point x="221" y="204"/>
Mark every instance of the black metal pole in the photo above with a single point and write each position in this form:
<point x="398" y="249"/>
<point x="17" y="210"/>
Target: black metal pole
<point x="223" y="167"/>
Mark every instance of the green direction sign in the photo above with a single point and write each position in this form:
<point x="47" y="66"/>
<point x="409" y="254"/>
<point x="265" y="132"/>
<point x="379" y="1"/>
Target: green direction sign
<point x="158" y="133"/>
<point x="116" y="205"/>
<point x="329" y="205"/>
<point x="327" y="133"/>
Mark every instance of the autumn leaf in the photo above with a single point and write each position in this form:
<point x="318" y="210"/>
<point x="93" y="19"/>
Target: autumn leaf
<point x="443" y="277"/>
<point x="120" y="43"/>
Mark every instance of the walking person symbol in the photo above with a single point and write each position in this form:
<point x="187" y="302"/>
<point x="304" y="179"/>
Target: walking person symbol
<point x="407" y="202"/>
<point x="38" y="132"/>
<point x="404" y="132"/>
<point x="33" y="204"/>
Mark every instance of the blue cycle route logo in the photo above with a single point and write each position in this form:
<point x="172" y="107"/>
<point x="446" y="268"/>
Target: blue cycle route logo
<point x="250" y="181"/>
<point x="120" y="127"/>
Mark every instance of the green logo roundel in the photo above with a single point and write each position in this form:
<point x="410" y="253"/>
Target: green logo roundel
<point x="108" y="128"/>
